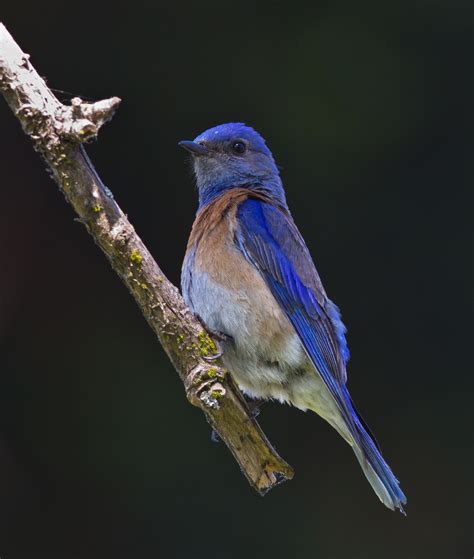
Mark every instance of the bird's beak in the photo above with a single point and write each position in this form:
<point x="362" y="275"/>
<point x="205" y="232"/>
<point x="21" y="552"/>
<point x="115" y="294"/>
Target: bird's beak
<point x="194" y="147"/>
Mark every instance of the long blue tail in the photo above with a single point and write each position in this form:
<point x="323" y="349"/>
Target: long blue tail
<point x="376" y="470"/>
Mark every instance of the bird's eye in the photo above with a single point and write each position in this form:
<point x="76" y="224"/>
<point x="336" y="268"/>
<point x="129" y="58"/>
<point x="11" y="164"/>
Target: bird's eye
<point x="239" y="147"/>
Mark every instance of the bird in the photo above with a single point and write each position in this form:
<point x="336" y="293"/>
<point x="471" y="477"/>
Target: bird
<point x="248" y="276"/>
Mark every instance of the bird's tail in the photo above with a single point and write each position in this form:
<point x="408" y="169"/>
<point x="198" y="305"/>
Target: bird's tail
<point x="376" y="470"/>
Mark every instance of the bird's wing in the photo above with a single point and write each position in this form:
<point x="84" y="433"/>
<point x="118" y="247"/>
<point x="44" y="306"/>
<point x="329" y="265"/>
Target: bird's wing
<point x="269" y="239"/>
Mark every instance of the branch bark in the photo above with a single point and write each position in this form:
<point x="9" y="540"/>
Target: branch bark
<point x="57" y="132"/>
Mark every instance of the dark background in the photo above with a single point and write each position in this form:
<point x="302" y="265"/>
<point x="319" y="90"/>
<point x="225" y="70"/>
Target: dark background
<point x="367" y="107"/>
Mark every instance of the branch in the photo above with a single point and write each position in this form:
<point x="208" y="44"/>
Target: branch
<point x="57" y="132"/>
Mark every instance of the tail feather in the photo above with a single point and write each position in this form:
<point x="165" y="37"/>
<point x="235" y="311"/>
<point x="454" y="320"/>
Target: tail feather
<point x="382" y="480"/>
<point x="376" y="470"/>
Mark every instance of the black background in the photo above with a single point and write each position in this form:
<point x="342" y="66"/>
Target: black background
<point x="367" y="107"/>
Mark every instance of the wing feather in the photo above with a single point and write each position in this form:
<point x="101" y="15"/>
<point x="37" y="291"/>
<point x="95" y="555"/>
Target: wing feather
<point x="268" y="237"/>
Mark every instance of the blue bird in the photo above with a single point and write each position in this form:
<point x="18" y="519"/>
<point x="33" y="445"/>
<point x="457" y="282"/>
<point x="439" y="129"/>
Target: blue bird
<point x="248" y="275"/>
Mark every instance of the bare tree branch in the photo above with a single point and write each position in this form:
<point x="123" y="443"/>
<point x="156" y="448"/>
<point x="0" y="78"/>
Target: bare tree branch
<point x="57" y="132"/>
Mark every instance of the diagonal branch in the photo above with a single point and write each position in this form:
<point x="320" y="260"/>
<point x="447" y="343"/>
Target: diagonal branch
<point x="57" y="132"/>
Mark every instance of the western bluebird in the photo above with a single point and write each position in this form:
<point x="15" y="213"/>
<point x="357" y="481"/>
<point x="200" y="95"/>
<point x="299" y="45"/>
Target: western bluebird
<point x="248" y="274"/>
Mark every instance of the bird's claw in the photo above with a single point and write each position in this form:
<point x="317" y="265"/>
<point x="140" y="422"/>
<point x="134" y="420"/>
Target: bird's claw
<point x="255" y="406"/>
<point x="214" y="356"/>
<point x="220" y="337"/>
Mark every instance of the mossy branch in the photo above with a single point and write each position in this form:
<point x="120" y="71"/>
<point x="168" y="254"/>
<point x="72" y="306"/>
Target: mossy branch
<point x="57" y="132"/>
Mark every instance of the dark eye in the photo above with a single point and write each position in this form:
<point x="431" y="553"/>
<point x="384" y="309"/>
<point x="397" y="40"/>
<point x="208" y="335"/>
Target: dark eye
<point x="239" y="147"/>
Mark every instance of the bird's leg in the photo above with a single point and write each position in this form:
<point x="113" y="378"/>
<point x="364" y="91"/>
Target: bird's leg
<point x="220" y="336"/>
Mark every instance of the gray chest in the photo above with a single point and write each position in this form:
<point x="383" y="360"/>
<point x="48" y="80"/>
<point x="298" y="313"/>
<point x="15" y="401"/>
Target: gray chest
<point x="219" y="308"/>
<point x="263" y="350"/>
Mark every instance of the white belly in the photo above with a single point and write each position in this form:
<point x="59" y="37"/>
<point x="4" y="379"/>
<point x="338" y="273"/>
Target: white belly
<point x="263" y="351"/>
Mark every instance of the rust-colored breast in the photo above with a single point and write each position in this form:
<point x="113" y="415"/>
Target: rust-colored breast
<point x="246" y="299"/>
<point x="213" y="215"/>
<point x="213" y="239"/>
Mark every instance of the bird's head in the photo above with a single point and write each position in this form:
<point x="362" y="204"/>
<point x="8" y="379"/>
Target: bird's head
<point x="233" y="155"/>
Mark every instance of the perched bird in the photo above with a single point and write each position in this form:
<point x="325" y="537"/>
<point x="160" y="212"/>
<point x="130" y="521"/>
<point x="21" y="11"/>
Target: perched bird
<point x="249" y="276"/>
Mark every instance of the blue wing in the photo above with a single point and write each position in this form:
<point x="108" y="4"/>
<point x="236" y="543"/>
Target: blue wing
<point x="270" y="240"/>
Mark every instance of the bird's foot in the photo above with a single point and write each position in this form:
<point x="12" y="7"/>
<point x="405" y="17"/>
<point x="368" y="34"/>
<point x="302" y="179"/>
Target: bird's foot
<point x="255" y="406"/>
<point x="220" y="337"/>
<point x="214" y="356"/>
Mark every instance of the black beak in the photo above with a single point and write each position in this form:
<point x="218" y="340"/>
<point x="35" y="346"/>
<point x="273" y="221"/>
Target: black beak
<point x="193" y="147"/>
